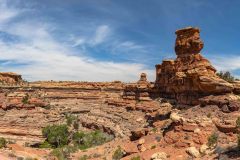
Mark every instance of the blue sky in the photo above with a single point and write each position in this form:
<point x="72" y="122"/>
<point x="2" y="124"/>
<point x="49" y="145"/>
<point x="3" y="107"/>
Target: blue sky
<point x="105" y="40"/>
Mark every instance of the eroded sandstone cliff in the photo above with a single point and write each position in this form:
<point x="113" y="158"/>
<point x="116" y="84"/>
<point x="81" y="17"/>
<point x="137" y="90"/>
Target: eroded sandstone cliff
<point x="190" y="76"/>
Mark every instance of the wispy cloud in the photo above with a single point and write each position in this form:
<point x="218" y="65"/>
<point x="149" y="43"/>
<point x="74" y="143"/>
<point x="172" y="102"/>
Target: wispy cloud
<point x="101" y="34"/>
<point x="6" y="13"/>
<point x="226" y="63"/>
<point x="38" y="55"/>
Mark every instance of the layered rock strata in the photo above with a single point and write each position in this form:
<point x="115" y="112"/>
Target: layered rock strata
<point x="9" y="78"/>
<point x="190" y="76"/>
<point x="138" y="91"/>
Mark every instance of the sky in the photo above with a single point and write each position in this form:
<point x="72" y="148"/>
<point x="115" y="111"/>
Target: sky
<point x="107" y="40"/>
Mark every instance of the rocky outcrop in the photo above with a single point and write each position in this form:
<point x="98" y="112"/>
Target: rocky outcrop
<point x="227" y="103"/>
<point x="236" y="85"/>
<point x="138" y="91"/>
<point x="9" y="78"/>
<point x="190" y="76"/>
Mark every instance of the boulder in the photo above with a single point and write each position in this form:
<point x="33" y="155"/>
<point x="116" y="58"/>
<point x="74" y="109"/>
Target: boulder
<point x="193" y="152"/>
<point x="159" y="156"/>
<point x="227" y="103"/>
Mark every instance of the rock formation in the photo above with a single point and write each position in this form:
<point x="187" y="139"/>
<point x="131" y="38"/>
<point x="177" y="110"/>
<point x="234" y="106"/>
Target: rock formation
<point x="190" y="76"/>
<point x="10" y="78"/>
<point x="139" y="90"/>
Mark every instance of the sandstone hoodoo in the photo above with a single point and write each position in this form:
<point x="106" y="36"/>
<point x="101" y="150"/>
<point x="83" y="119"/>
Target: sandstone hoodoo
<point x="139" y="90"/>
<point x="190" y="76"/>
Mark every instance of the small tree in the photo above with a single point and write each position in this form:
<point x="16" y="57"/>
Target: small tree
<point x="70" y="119"/>
<point x="136" y="158"/>
<point x="226" y="76"/>
<point x="25" y="99"/>
<point x="238" y="122"/>
<point x="212" y="139"/>
<point x="118" y="154"/>
<point x="56" y="135"/>
<point x="3" y="142"/>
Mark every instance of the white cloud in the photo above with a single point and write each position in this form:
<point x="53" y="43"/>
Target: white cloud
<point x="6" y="13"/>
<point x="228" y="62"/>
<point x="39" y="56"/>
<point x="101" y="34"/>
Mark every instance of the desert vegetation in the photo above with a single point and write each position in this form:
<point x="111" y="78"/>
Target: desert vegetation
<point x="227" y="76"/>
<point x="3" y="142"/>
<point x="64" y="140"/>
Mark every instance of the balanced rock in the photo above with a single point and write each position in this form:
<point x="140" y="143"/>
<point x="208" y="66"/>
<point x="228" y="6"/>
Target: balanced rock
<point x="139" y="90"/>
<point x="190" y="76"/>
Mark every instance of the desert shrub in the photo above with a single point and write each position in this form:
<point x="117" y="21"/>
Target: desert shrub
<point x="70" y="119"/>
<point x="226" y="76"/>
<point x="3" y="142"/>
<point x="85" y="157"/>
<point x="87" y="140"/>
<point x="153" y="146"/>
<point x="56" y="135"/>
<point x="154" y="130"/>
<point x="63" y="153"/>
<point x="78" y="138"/>
<point x="47" y="107"/>
<point x="59" y="154"/>
<point x="25" y="99"/>
<point x="212" y="139"/>
<point x="135" y="158"/>
<point x="118" y="154"/>
<point x="45" y="144"/>
<point x="76" y="125"/>
<point x="209" y="115"/>
<point x="238" y="122"/>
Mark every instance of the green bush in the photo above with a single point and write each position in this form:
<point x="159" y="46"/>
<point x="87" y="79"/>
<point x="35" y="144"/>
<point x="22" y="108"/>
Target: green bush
<point x="238" y="122"/>
<point x="70" y="119"/>
<point x="226" y="76"/>
<point x="136" y="158"/>
<point x="3" y="142"/>
<point x="85" y="157"/>
<point x="56" y="135"/>
<point x="64" y="152"/>
<point x="118" y="154"/>
<point x="212" y="139"/>
<point x="76" y="125"/>
<point x="78" y="138"/>
<point x="25" y="99"/>
<point x="87" y="140"/>
<point x="153" y="147"/>
<point x="45" y="144"/>
<point x="59" y="154"/>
